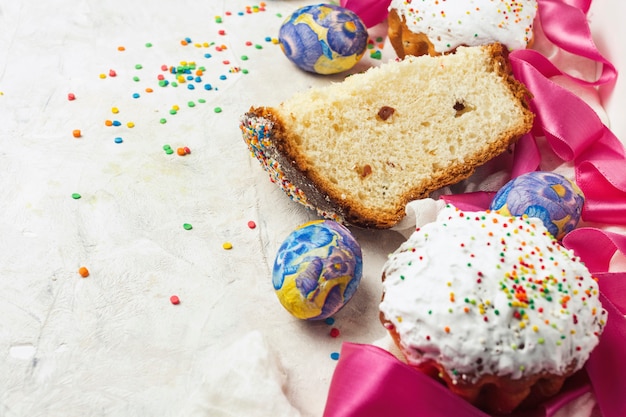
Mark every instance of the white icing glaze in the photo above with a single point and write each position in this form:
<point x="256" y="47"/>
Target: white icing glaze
<point x="482" y="288"/>
<point x="450" y="23"/>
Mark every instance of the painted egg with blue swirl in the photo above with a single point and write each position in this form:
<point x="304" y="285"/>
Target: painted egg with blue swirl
<point x="317" y="269"/>
<point x="551" y="197"/>
<point x="323" y="38"/>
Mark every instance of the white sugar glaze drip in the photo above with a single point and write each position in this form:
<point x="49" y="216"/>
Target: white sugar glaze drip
<point x="450" y="23"/>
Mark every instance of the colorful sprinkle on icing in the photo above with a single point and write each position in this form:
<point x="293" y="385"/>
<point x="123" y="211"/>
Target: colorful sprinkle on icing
<point x="540" y="300"/>
<point x="451" y="23"/>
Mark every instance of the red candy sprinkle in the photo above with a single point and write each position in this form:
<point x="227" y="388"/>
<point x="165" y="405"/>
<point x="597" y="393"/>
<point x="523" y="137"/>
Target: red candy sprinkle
<point x="251" y="224"/>
<point x="334" y="332"/>
<point x="71" y="96"/>
<point x="112" y="73"/>
<point x="174" y="299"/>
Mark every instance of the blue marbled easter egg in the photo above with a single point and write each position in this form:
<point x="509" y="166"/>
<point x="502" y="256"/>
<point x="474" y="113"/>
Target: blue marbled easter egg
<point x="317" y="269"/>
<point x="551" y="197"/>
<point x="323" y="38"/>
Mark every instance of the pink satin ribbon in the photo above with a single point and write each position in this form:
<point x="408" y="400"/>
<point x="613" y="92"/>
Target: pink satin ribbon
<point x="370" y="382"/>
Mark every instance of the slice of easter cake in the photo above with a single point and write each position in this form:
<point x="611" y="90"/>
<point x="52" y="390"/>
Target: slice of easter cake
<point x="358" y="151"/>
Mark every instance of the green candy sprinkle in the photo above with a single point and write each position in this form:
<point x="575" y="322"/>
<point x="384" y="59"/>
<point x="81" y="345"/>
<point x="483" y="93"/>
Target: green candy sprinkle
<point x="217" y="110"/>
<point x="76" y="196"/>
<point x="138" y="66"/>
<point x="187" y="226"/>
<point x="162" y="121"/>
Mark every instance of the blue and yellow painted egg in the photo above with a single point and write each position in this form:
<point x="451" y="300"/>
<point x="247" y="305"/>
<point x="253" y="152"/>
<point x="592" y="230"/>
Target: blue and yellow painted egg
<point x="317" y="269"/>
<point x="323" y="38"/>
<point x="551" y="197"/>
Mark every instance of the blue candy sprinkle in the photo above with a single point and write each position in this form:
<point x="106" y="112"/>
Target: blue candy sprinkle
<point x="207" y="55"/>
<point x="117" y="123"/>
<point x="208" y="87"/>
<point x="118" y="140"/>
<point x="135" y="95"/>
<point x="334" y="356"/>
<point x="222" y="77"/>
<point x="330" y="321"/>
<point x="190" y="86"/>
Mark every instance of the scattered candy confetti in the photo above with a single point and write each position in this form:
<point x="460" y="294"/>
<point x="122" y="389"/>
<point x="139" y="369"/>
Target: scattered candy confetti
<point x="227" y="245"/>
<point x="76" y="196"/>
<point x="251" y="224"/>
<point x="187" y="226"/>
<point x="71" y="97"/>
<point x="119" y="140"/>
<point x="174" y="300"/>
<point x="334" y="356"/>
<point x="84" y="272"/>
<point x="334" y="332"/>
<point x="76" y="133"/>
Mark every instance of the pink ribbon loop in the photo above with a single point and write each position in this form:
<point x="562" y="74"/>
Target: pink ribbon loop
<point x="566" y="26"/>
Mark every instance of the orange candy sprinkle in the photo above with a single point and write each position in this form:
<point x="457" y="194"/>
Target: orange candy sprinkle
<point x="76" y="133"/>
<point x="84" y="272"/>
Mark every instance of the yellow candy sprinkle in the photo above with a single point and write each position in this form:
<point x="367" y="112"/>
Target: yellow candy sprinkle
<point x="130" y="124"/>
<point x="227" y="245"/>
<point x="115" y="110"/>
